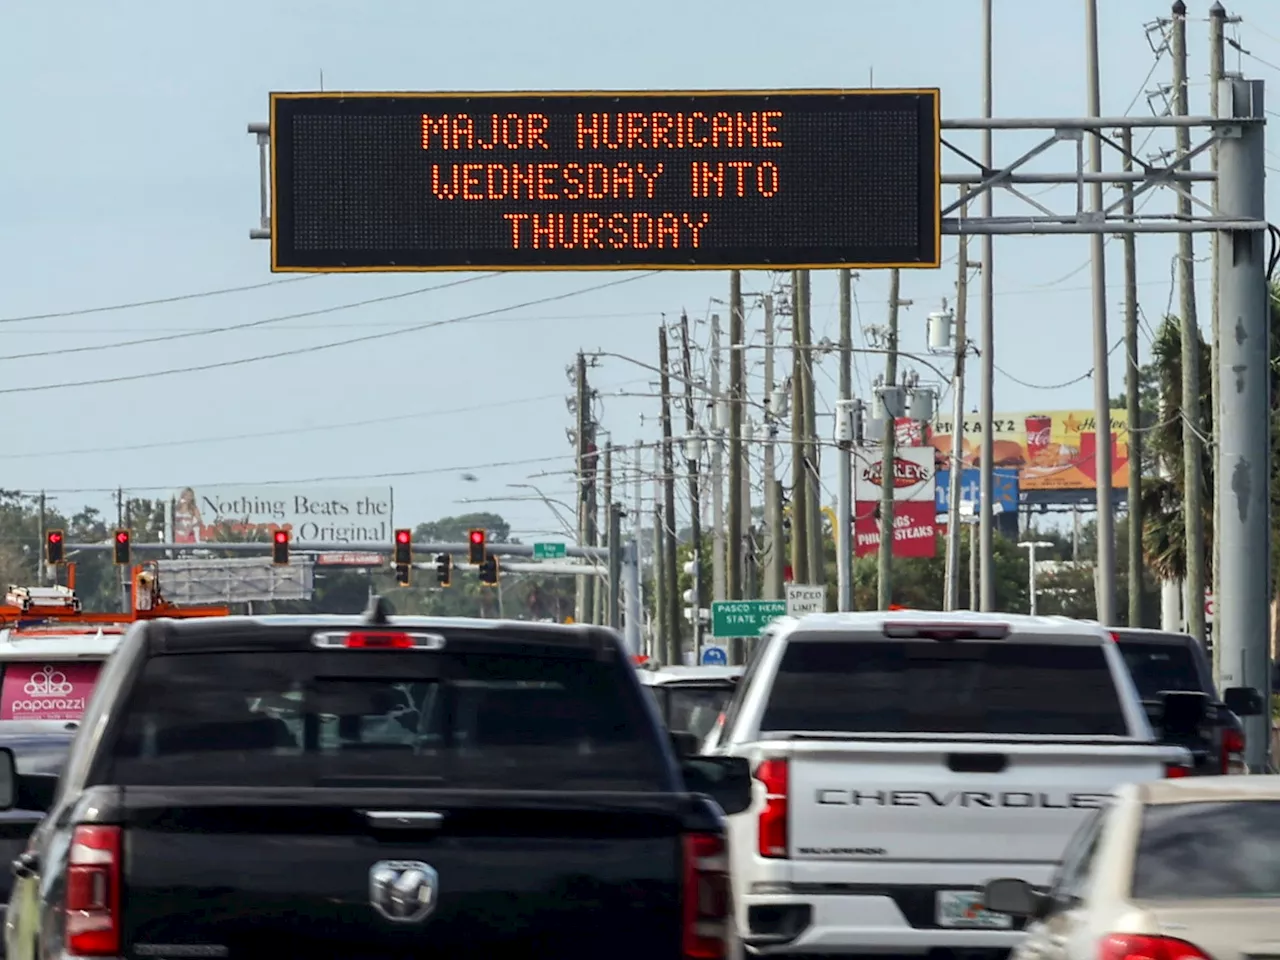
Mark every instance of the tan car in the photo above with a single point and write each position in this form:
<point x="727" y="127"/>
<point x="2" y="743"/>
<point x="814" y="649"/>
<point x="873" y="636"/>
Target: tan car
<point x="1184" y="869"/>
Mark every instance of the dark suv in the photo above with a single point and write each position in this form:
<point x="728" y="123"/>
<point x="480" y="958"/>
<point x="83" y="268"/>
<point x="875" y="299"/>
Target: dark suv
<point x="1160" y="662"/>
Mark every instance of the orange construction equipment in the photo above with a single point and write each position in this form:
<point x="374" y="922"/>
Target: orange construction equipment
<point x="27" y="605"/>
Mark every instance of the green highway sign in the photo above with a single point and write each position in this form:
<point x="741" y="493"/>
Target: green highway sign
<point x="548" y="551"/>
<point x="744" y="618"/>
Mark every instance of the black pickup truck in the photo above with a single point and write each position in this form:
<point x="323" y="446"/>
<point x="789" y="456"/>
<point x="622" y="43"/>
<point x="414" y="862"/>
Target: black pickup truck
<point x="1162" y="663"/>
<point x="374" y="787"/>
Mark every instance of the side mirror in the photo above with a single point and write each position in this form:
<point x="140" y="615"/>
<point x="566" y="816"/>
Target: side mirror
<point x="684" y="743"/>
<point x="8" y="780"/>
<point x="1014" y="897"/>
<point x="726" y="780"/>
<point x="1243" y="701"/>
<point x="1183" y="712"/>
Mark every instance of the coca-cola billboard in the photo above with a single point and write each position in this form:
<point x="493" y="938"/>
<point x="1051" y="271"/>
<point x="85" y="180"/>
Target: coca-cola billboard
<point x="913" y="475"/>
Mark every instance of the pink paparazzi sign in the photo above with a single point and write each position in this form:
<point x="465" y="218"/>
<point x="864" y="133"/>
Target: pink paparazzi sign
<point x="46" y="691"/>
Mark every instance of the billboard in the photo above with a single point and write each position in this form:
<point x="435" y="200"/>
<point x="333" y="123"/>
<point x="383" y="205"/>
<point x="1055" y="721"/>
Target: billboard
<point x="913" y="474"/>
<point x="914" y="530"/>
<point x="1052" y="450"/>
<point x="914" y="509"/>
<point x="1004" y="481"/>
<point x="329" y="514"/>
<point x="605" y="180"/>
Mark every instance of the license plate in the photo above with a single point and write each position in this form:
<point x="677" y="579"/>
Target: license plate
<point x="963" y="909"/>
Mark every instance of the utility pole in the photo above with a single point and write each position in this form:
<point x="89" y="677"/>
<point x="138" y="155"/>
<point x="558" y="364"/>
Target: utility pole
<point x="605" y="614"/>
<point x="583" y="438"/>
<point x="957" y="416"/>
<point x="1217" y="67"/>
<point x="773" y="587"/>
<point x="614" y="618"/>
<point x="717" y="470"/>
<point x="1192" y="451"/>
<point x="695" y="501"/>
<point x="1106" y="559"/>
<point x="799" y="477"/>
<point x="1244" y="448"/>
<point x="737" y="338"/>
<point x="42" y="568"/>
<point x="884" y="574"/>
<point x="1133" y="413"/>
<point x="813" y="460"/>
<point x="670" y="567"/>
<point x="986" y="531"/>
<point x="661" y="644"/>
<point x="844" y="453"/>
<point x="973" y="566"/>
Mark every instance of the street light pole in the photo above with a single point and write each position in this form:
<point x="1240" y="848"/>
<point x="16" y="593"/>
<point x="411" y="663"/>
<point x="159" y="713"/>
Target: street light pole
<point x="1030" y="546"/>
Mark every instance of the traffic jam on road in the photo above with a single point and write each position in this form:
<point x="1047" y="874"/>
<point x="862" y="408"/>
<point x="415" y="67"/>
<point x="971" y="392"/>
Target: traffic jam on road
<point x="179" y="782"/>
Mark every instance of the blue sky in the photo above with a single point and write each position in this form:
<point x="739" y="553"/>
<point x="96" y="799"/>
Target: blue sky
<point x="129" y="176"/>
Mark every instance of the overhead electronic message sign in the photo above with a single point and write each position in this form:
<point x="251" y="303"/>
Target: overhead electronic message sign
<point x="605" y="181"/>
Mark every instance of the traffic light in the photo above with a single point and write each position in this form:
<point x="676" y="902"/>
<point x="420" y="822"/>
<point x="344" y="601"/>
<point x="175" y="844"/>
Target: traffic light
<point x="53" y="544"/>
<point x="444" y="569"/>
<point x="280" y="547"/>
<point x="476" y="540"/>
<point x="404" y="547"/>
<point x="121" y="546"/>
<point x="489" y="571"/>
<point x="402" y="573"/>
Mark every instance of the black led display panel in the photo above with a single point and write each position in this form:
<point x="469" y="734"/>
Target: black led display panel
<point x="605" y="181"/>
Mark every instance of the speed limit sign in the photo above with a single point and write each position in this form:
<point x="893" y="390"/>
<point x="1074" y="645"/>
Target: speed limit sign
<point x="1210" y="606"/>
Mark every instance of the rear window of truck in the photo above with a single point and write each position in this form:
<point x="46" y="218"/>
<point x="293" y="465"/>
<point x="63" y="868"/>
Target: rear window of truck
<point x="968" y="687"/>
<point x="1157" y="667"/>
<point x="46" y="689"/>
<point x="351" y="718"/>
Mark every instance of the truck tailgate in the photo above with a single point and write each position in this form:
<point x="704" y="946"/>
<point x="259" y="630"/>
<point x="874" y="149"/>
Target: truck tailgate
<point x="314" y="873"/>
<point x="940" y="801"/>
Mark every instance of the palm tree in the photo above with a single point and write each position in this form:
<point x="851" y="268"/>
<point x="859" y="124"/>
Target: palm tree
<point x="1164" y="523"/>
<point x="1163" y="533"/>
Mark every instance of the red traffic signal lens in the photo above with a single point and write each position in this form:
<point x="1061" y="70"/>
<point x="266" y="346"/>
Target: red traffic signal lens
<point x="477" y="536"/>
<point x="122" y="536"/>
<point x="55" y="538"/>
<point x="282" y="536"/>
<point x="402" y="536"/>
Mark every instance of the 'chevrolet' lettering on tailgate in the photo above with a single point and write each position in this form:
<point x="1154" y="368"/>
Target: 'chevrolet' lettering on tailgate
<point x="992" y="800"/>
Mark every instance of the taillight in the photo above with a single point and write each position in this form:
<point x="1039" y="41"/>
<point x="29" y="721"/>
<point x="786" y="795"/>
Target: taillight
<point x="1172" y="771"/>
<point x="773" y="818"/>
<point x="706" y="897"/>
<point x="1232" y="748"/>
<point x="1133" y="946"/>
<point x="93" y="892"/>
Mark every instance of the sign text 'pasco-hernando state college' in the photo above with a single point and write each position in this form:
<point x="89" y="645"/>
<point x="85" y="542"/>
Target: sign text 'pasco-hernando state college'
<point x="606" y="181"/>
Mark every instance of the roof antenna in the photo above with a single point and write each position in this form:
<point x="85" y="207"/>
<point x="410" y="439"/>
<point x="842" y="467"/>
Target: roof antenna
<point x="322" y="79"/>
<point x="378" y="612"/>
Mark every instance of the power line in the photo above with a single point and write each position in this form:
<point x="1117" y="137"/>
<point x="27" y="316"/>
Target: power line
<point x="316" y="348"/>
<point x="209" y="331"/>
<point x="157" y="302"/>
<point x="359" y="325"/>
<point x="288" y="431"/>
<point x="302" y="481"/>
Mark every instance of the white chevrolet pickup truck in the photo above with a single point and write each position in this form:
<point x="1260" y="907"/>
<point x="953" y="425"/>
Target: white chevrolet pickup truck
<point x="904" y="759"/>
